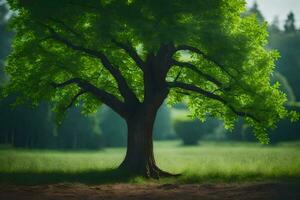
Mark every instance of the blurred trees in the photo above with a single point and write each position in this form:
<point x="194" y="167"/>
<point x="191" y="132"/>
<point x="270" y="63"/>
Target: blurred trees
<point x="163" y="128"/>
<point x="255" y="10"/>
<point x="191" y="131"/>
<point x="287" y="42"/>
<point x="289" y="26"/>
<point x="113" y="127"/>
<point x="78" y="131"/>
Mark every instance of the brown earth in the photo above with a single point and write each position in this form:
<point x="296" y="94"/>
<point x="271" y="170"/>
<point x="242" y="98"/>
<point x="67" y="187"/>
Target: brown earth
<point x="250" y="191"/>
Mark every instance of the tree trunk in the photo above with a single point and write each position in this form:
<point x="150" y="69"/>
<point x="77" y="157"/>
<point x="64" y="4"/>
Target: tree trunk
<point x="139" y="157"/>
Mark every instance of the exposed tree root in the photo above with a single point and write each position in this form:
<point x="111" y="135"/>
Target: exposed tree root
<point x="148" y="171"/>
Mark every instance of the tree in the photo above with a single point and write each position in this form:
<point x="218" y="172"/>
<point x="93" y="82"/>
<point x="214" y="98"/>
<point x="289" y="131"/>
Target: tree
<point x="133" y="54"/>
<point x="288" y="65"/>
<point x="191" y="131"/>
<point x="274" y="27"/>
<point x="255" y="10"/>
<point x="114" y="129"/>
<point x="289" y="25"/>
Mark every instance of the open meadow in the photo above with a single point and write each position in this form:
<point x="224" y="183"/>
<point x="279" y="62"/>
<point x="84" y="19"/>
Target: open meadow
<point x="209" y="170"/>
<point x="207" y="162"/>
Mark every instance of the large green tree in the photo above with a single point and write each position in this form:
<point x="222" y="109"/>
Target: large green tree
<point x="133" y="54"/>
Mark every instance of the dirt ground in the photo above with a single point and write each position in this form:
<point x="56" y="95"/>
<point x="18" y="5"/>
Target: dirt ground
<point x="250" y="191"/>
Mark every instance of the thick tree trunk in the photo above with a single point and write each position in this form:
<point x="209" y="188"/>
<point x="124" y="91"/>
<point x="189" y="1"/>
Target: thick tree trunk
<point x="139" y="157"/>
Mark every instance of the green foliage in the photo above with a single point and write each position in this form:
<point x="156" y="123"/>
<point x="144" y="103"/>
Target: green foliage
<point x="234" y="49"/>
<point x="286" y="131"/>
<point x="286" y="73"/>
<point x="20" y="126"/>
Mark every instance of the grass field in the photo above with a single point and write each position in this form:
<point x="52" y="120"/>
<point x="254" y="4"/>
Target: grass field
<point x="208" y="162"/>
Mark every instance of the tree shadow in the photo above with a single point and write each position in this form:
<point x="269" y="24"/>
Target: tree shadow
<point x="91" y="177"/>
<point x="190" y="178"/>
<point x="111" y="176"/>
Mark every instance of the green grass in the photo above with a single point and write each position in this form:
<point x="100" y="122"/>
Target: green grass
<point x="208" y="162"/>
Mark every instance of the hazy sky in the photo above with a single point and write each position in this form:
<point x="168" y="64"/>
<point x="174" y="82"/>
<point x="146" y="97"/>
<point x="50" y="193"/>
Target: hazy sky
<point x="281" y="8"/>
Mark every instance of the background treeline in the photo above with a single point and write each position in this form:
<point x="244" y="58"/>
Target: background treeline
<point x="26" y="127"/>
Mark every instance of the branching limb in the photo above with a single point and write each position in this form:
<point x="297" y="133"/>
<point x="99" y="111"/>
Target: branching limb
<point x="193" y="88"/>
<point x="212" y="60"/>
<point x="198" y="71"/>
<point x="125" y="90"/>
<point x="67" y="28"/>
<point x="102" y="95"/>
<point x="74" y="99"/>
<point x="208" y="58"/>
<point x="178" y="75"/>
<point x="132" y="53"/>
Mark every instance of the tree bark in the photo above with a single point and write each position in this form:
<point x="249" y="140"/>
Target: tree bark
<point x="140" y="117"/>
<point x="139" y="157"/>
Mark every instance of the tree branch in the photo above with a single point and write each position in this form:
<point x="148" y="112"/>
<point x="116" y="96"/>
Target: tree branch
<point x="74" y="99"/>
<point x="132" y="53"/>
<point x="67" y="28"/>
<point x="102" y="95"/>
<point x="198" y="51"/>
<point x="125" y="90"/>
<point x="193" y="88"/>
<point x="178" y="75"/>
<point x="195" y="69"/>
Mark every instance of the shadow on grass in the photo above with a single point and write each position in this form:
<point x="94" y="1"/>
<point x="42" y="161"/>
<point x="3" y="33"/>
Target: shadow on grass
<point x="235" y="178"/>
<point x="110" y="176"/>
<point x="86" y="177"/>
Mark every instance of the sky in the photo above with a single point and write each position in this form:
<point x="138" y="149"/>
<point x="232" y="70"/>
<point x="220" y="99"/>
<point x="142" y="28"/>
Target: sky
<point x="271" y="8"/>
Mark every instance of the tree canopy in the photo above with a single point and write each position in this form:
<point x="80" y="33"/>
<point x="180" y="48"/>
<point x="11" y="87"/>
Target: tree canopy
<point x="98" y="51"/>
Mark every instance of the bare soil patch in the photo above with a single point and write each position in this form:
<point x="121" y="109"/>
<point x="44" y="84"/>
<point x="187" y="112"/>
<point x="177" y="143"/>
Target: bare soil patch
<point x="249" y="191"/>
